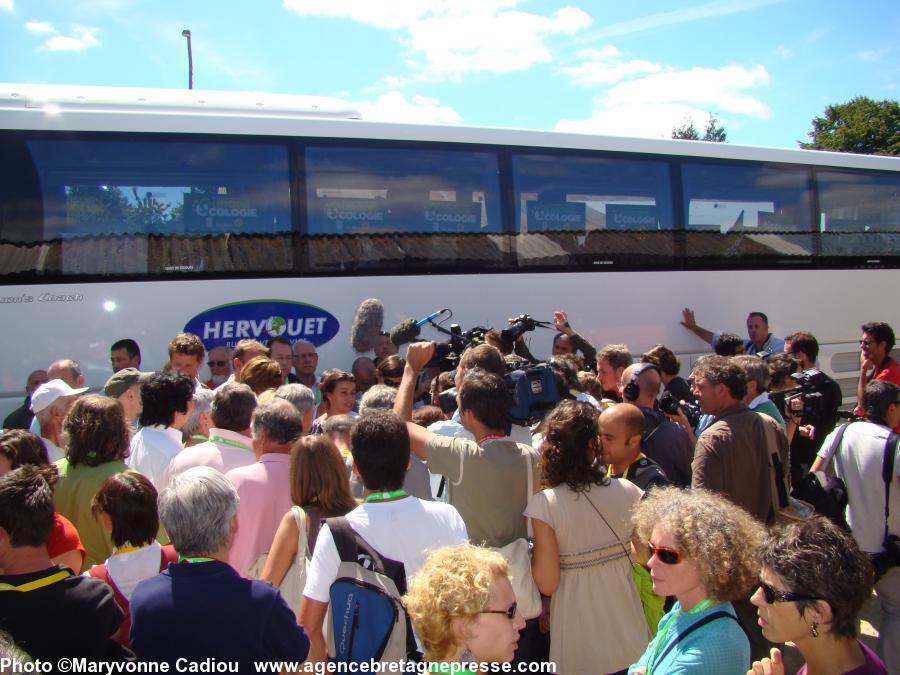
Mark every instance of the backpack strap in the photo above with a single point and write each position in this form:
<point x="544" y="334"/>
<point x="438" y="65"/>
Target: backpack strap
<point x="835" y="446"/>
<point x="349" y="543"/>
<point x="887" y="475"/>
<point x="694" y="626"/>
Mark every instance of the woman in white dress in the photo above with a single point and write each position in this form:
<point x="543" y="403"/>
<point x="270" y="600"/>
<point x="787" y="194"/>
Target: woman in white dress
<point x="582" y="530"/>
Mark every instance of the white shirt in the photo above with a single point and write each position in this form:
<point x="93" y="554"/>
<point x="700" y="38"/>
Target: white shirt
<point x="859" y="464"/>
<point x="127" y="570"/>
<point x="54" y="452"/>
<point x="405" y="530"/>
<point x="152" y="448"/>
<point x="225" y="450"/>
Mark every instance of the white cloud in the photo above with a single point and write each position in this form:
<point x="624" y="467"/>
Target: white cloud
<point x="654" y="104"/>
<point x="83" y="38"/>
<point x="639" y="119"/>
<point x="7" y="6"/>
<point x="784" y="52"/>
<point x="394" y="107"/>
<point x="40" y="28"/>
<point x="451" y="37"/>
<point x="872" y="55"/>
<point x="678" y="16"/>
<point x="606" y="66"/>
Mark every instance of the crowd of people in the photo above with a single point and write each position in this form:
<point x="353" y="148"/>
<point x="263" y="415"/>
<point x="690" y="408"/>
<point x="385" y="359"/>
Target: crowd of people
<point x="643" y="523"/>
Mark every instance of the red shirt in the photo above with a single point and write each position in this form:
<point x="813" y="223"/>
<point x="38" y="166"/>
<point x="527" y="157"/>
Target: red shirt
<point x="890" y="372"/>
<point x="64" y="538"/>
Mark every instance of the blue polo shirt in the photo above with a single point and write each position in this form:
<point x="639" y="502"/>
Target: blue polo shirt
<point x="203" y="610"/>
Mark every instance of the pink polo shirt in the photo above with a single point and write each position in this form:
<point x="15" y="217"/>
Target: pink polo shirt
<point x="265" y="492"/>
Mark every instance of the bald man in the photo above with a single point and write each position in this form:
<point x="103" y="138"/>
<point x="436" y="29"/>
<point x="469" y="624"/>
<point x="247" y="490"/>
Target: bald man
<point x="621" y="429"/>
<point x="666" y="443"/>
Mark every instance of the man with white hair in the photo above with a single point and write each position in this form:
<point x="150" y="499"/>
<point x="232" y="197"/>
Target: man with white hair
<point x="202" y="606"/>
<point x="51" y="403"/>
<point x="301" y="397"/>
<point x="265" y="486"/>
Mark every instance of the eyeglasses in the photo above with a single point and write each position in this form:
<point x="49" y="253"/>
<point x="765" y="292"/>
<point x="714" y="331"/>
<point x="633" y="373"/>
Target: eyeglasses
<point x="772" y="596"/>
<point x="667" y="556"/>
<point x="866" y="341"/>
<point x="510" y="613"/>
<point x="216" y="364"/>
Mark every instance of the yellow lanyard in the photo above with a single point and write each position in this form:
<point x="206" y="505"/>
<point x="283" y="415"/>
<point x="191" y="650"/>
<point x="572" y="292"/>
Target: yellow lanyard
<point x="609" y="469"/>
<point x="37" y="583"/>
<point x="128" y="549"/>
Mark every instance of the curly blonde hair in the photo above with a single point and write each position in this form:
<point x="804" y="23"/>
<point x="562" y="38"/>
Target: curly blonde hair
<point x="719" y="537"/>
<point x="454" y="583"/>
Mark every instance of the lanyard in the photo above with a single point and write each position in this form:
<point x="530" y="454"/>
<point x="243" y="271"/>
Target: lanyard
<point x="37" y="583"/>
<point x="701" y="606"/>
<point x="489" y="437"/>
<point x="382" y="496"/>
<point x="199" y="437"/>
<point x="182" y="559"/>
<point x="228" y="441"/>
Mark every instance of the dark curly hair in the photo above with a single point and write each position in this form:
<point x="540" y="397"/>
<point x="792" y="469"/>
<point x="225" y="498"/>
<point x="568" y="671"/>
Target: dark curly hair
<point x="163" y="395"/>
<point x="818" y="559"/>
<point x="571" y="447"/>
<point x="23" y="447"/>
<point x="97" y="431"/>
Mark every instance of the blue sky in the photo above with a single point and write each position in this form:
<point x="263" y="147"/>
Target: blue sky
<point x="764" y="67"/>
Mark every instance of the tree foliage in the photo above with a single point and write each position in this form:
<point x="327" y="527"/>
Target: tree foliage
<point x="714" y="131"/>
<point x="861" y="125"/>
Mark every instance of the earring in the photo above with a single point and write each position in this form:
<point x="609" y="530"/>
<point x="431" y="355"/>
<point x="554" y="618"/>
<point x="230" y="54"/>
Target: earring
<point x="467" y="656"/>
<point x="814" y="629"/>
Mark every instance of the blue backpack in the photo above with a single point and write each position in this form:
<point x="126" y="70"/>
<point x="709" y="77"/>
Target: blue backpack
<point x="368" y="620"/>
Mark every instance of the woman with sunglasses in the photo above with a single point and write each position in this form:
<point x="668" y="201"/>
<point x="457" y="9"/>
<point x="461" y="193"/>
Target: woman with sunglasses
<point x="813" y="583"/>
<point x="703" y="551"/>
<point x="463" y="608"/>
<point x="338" y="396"/>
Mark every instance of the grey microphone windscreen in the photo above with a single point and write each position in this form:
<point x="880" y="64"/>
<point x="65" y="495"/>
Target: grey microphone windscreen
<point x="405" y="331"/>
<point x="367" y="323"/>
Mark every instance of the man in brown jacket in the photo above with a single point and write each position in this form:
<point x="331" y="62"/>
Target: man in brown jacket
<point x="732" y="456"/>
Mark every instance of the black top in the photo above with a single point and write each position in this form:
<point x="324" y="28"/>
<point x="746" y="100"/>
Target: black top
<point x="680" y="389"/>
<point x="645" y="473"/>
<point x="20" y="418"/>
<point x="74" y="617"/>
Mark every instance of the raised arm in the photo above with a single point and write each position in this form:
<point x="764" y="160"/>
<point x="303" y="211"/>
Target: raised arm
<point x="417" y="355"/>
<point x="690" y="323"/>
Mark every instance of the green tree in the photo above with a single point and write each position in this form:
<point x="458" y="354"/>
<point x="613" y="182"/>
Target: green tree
<point x="713" y="132"/>
<point x="861" y="125"/>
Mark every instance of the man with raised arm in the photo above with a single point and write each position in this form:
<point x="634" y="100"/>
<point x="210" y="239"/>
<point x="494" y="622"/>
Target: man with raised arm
<point x="760" y="339"/>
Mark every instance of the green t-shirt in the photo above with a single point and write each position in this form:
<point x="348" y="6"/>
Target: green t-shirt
<point x="76" y="488"/>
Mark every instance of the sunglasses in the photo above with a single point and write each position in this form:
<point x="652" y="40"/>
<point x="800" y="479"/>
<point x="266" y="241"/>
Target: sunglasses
<point x="772" y="596"/>
<point x="216" y="364"/>
<point x="667" y="556"/>
<point x="510" y="613"/>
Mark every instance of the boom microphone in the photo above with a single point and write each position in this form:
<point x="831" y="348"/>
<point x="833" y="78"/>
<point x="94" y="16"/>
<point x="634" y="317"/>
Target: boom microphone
<point x="408" y="330"/>
<point x="367" y="323"/>
<point x="405" y="331"/>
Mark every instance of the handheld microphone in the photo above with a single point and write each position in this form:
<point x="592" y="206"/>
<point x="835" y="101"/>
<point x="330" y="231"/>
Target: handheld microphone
<point x="367" y="323"/>
<point x="408" y="330"/>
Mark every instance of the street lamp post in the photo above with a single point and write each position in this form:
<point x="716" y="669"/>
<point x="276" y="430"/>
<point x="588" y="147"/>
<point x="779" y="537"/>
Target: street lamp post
<point x="187" y="34"/>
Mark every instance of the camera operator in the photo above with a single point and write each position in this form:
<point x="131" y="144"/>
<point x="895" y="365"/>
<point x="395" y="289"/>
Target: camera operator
<point x="665" y="442"/>
<point x="567" y="341"/>
<point x="858" y="461"/>
<point x="809" y="420"/>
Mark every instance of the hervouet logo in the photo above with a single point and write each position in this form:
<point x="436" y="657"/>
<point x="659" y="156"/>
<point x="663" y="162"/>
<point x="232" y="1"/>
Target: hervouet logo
<point x="262" y="320"/>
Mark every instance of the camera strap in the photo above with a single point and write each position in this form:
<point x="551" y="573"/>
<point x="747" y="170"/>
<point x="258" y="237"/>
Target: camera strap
<point x="835" y="446"/>
<point x="887" y="474"/>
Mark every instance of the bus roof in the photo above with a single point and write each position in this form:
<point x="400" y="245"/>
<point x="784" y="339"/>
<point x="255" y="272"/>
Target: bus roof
<point x="129" y="109"/>
<point x="82" y="98"/>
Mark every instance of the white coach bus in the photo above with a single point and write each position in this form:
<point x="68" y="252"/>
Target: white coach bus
<point x="140" y="213"/>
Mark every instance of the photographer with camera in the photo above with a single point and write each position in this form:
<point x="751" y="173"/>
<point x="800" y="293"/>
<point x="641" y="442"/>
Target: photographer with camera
<point x="862" y="458"/>
<point x="810" y="409"/>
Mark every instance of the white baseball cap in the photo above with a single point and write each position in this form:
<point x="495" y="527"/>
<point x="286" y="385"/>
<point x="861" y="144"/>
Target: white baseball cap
<point x="48" y="392"/>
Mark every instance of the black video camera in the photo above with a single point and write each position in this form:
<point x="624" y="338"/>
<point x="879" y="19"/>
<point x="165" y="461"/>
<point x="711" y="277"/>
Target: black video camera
<point x="670" y="406"/>
<point x="518" y="327"/>
<point x="806" y="400"/>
